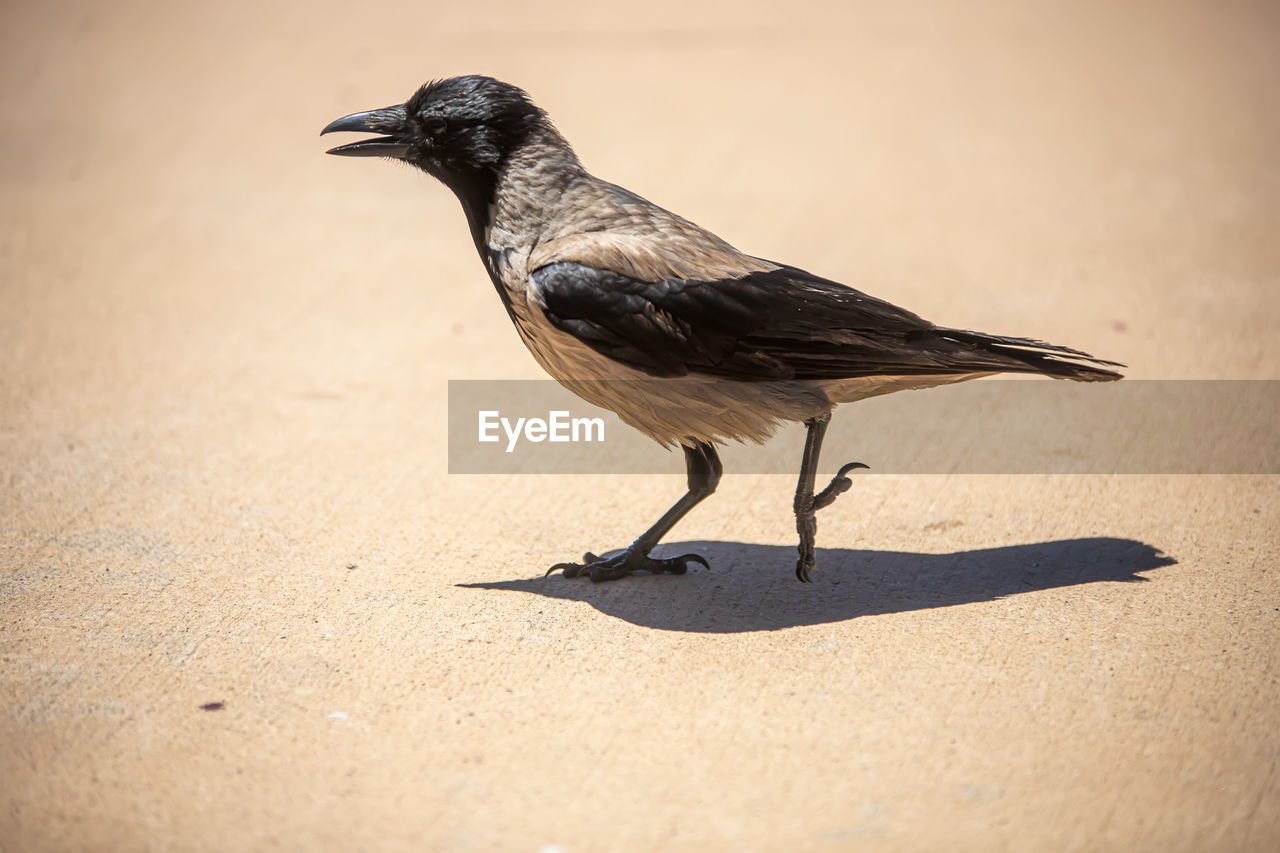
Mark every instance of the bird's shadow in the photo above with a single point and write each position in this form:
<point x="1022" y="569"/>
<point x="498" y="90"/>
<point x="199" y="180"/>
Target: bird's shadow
<point x="753" y="587"/>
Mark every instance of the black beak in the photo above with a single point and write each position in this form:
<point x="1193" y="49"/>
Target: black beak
<point x="389" y="121"/>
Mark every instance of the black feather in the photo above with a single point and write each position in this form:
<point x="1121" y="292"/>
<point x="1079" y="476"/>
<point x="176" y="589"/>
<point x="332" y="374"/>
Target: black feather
<point x="781" y="324"/>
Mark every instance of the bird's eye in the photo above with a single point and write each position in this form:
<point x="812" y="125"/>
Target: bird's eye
<point x="435" y="124"/>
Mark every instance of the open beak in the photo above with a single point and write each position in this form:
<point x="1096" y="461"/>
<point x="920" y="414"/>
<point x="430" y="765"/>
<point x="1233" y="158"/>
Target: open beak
<point x="388" y="121"/>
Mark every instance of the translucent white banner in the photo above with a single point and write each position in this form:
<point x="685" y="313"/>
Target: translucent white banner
<point x="992" y="426"/>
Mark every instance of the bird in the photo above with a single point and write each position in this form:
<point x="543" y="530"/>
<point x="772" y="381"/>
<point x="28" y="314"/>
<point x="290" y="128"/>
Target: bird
<point x="648" y="315"/>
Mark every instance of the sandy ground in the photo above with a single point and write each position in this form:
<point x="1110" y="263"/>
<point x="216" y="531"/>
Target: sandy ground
<point x="223" y="366"/>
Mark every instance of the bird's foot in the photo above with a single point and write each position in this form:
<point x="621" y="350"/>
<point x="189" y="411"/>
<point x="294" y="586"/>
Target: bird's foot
<point x="807" y="522"/>
<point x="624" y="563"/>
<point x="806" y="565"/>
<point x="840" y="484"/>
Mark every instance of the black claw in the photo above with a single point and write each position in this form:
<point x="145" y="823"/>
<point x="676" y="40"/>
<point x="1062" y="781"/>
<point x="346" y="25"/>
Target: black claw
<point x="622" y="564"/>
<point x="685" y="559"/>
<point x="840" y="484"/>
<point x="803" y="572"/>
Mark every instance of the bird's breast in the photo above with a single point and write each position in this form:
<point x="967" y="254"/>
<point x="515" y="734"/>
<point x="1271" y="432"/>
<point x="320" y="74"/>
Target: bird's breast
<point x="507" y="266"/>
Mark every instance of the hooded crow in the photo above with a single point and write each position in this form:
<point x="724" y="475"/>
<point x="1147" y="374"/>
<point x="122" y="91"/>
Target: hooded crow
<point x="644" y="313"/>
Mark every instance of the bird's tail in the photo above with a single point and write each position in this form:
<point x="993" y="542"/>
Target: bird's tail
<point x="1023" y="355"/>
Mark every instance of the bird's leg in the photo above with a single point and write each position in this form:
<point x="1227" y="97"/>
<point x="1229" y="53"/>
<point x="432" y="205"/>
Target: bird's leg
<point x="704" y="470"/>
<point x="807" y="503"/>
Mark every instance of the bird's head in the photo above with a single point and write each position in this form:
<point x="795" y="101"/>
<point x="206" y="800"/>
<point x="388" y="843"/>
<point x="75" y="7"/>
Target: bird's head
<point x="451" y="128"/>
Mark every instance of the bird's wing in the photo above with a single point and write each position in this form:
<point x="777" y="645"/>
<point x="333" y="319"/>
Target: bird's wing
<point x="779" y="323"/>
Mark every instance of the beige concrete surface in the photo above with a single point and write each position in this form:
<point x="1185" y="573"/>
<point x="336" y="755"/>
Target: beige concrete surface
<point x="223" y="360"/>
